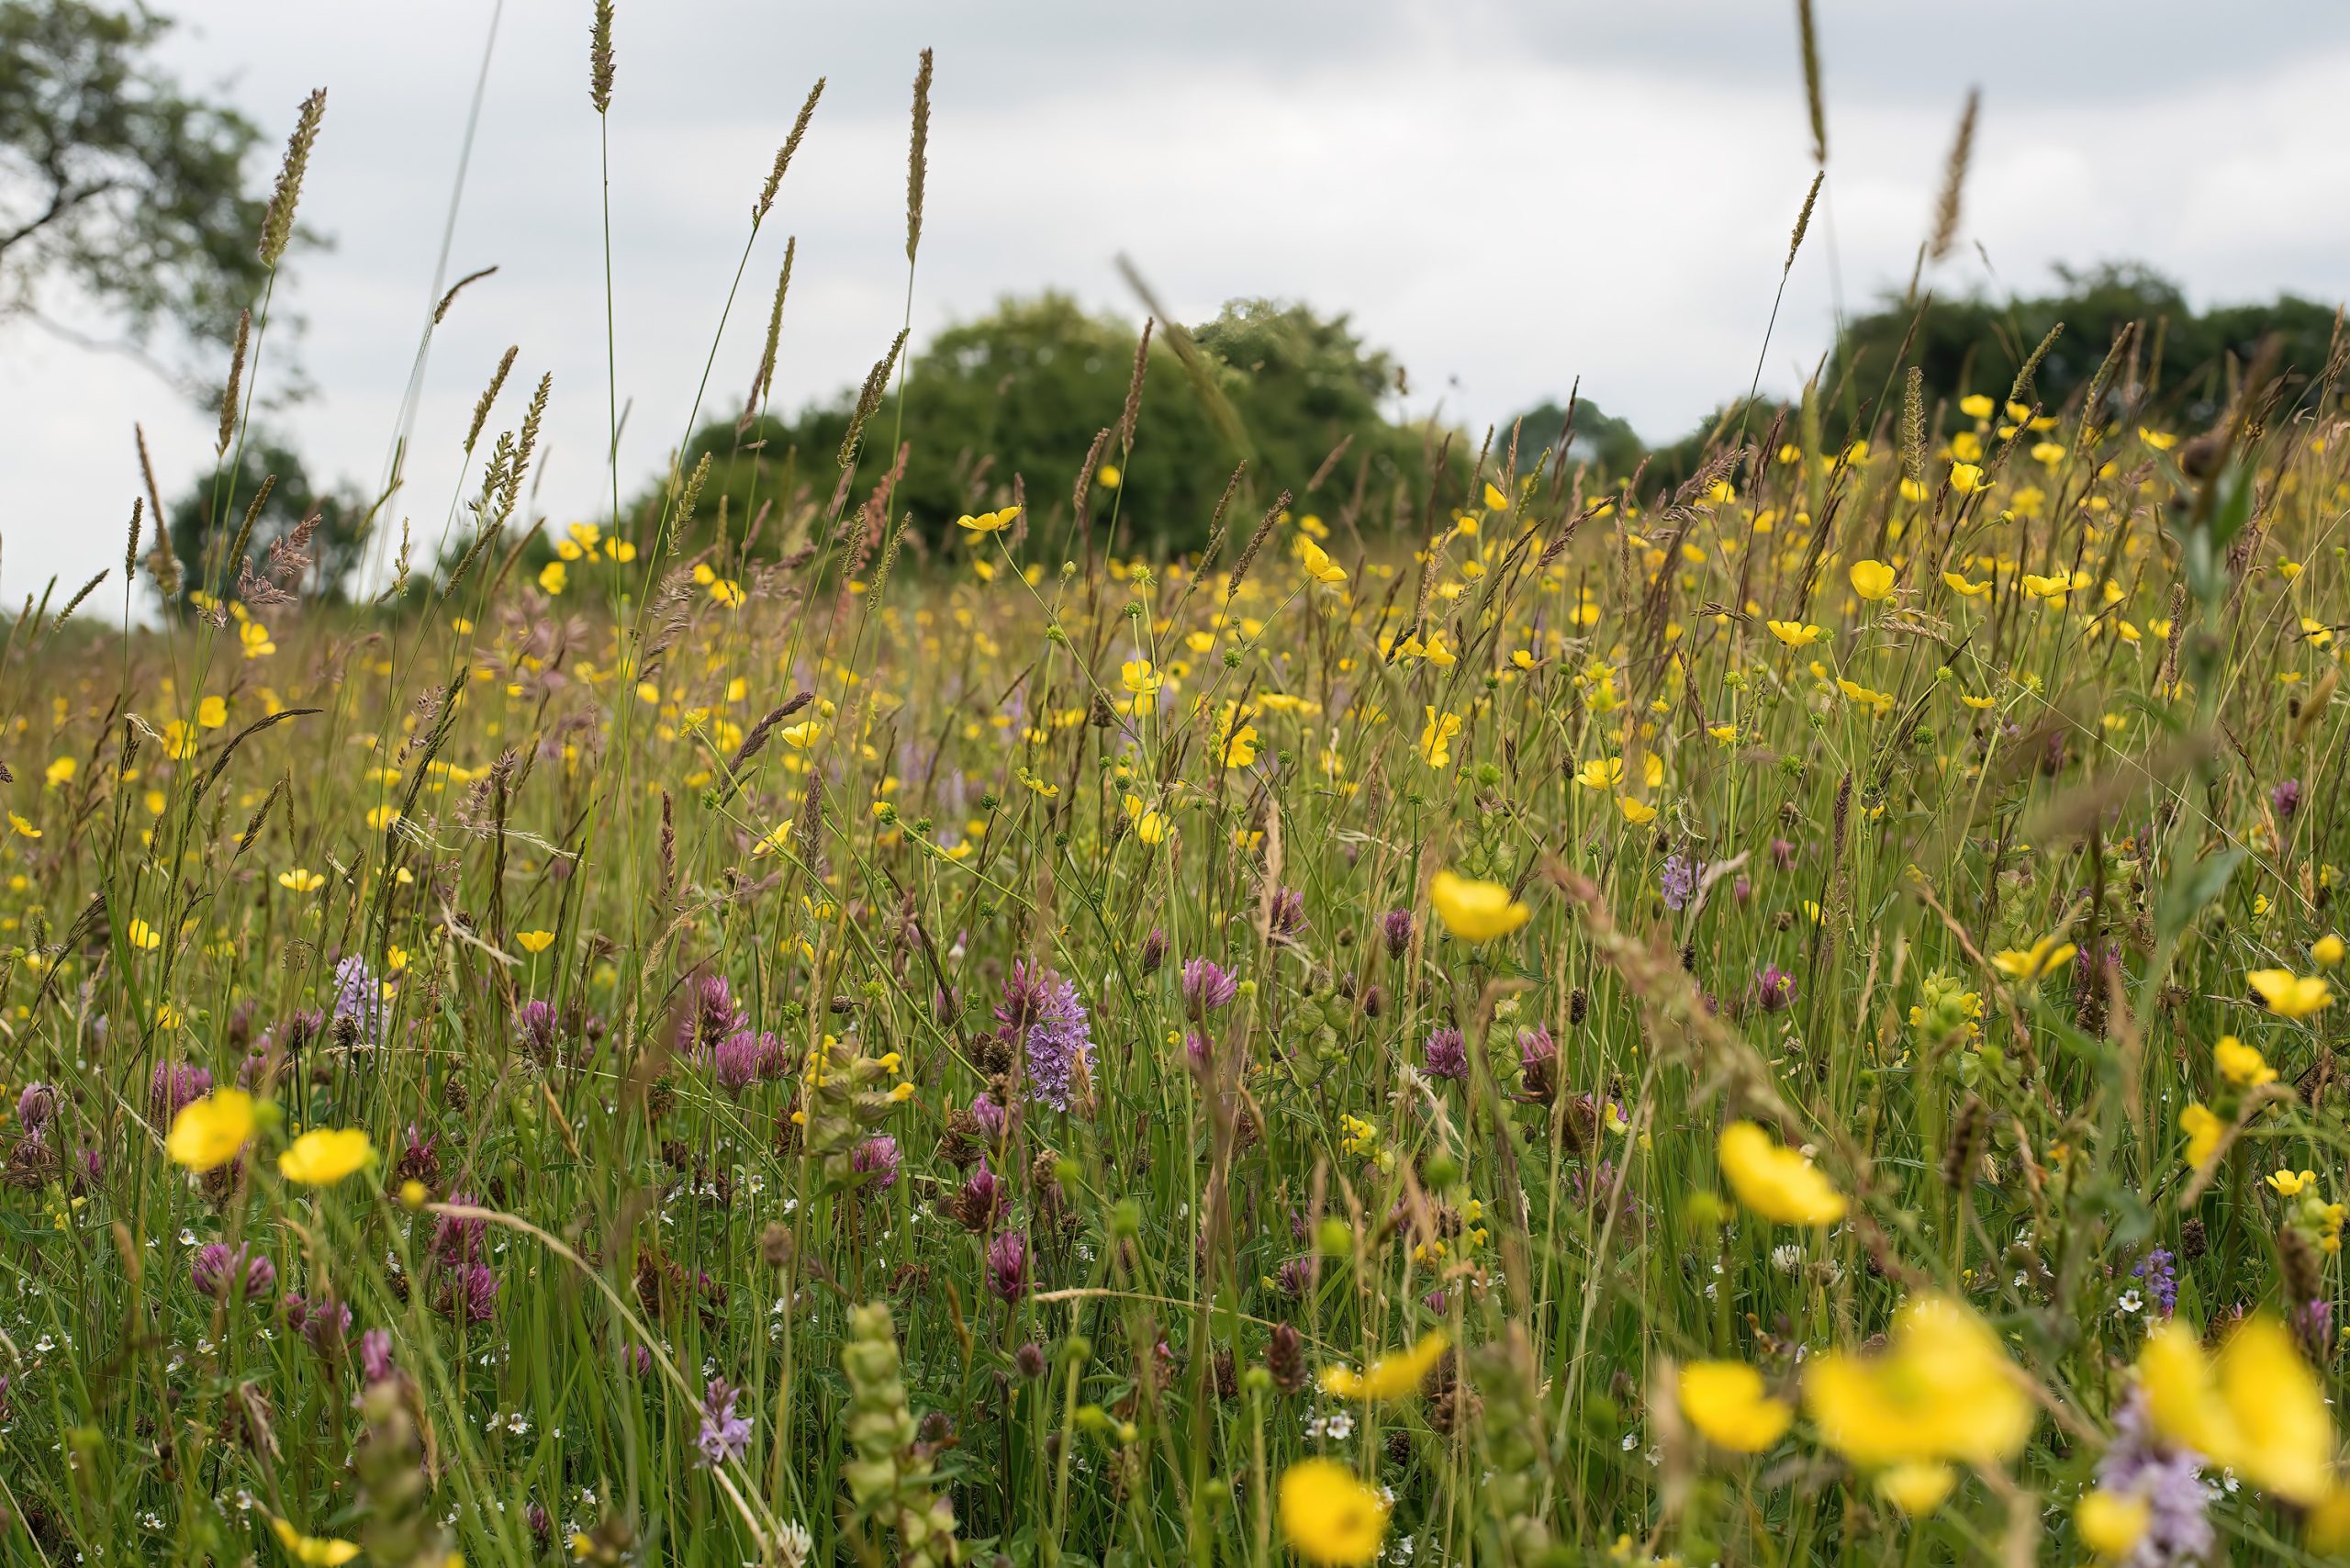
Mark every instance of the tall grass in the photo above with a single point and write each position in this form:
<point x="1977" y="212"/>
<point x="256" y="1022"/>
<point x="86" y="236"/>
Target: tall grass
<point x="877" y="1056"/>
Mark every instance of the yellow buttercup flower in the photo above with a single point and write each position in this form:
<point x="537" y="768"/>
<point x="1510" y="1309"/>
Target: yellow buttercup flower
<point x="1776" y="1181"/>
<point x="2255" y="1407"/>
<point x="2031" y="963"/>
<point x="144" y="935"/>
<point x="988" y="521"/>
<point x="535" y="941"/>
<point x="300" y="879"/>
<point x="1724" y="1401"/>
<point x="1389" y="1377"/>
<point x="2112" y="1523"/>
<point x="2289" y="995"/>
<point x="2240" y="1064"/>
<point x="312" y="1551"/>
<point x="554" y="578"/>
<point x="1966" y="478"/>
<point x="1959" y="585"/>
<point x="1601" y="773"/>
<point x="2291" y="1183"/>
<point x="1318" y="565"/>
<point x="1638" y="813"/>
<point x="321" y="1158"/>
<point x="1941" y="1390"/>
<point x="1795" y="634"/>
<point x="2203" y="1129"/>
<point x="1475" y="911"/>
<point x="207" y="1133"/>
<point x="22" y="826"/>
<point x="1872" y="579"/>
<point x="1917" y="1487"/>
<point x="2327" y="950"/>
<point x="1330" y="1517"/>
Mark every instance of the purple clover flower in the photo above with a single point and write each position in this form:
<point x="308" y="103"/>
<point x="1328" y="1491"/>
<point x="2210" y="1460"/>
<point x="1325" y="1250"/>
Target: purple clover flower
<point x="1446" y="1054"/>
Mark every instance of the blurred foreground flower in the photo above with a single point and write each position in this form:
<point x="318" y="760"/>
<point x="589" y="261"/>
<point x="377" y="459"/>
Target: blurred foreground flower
<point x="1776" y="1181"/>
<point x="1475" y="911"/>
<point x="1330" y="1517"/>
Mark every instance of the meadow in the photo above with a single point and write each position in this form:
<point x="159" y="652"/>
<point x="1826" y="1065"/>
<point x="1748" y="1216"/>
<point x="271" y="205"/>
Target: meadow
<point x="1783" y="1018"/>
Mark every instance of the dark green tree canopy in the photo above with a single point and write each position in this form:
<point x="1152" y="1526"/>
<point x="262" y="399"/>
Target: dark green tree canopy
<point x="2182" y="363"/>
<point x="1024" y="390"/>
<point x="113" y="181"/>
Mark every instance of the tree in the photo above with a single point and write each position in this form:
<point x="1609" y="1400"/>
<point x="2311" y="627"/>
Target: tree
<point x="1025" y="389"/>
<point x="202" y="538"/>
<point x="113" y="181"/>
<point x="1977" y="345"/>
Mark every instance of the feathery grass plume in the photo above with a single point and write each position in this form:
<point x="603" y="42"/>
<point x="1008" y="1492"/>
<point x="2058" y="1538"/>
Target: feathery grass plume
<point x="1255" y="543"/>
<point x="510" y="493"/>
<point x="689" y="497"/>
<point x="600" y="57"/>
<point x="277" y="218"/>
<point x="783" y="154"/>
<point x="147" y="473"/>
<point x="2022" y="387"/>
<point x="261" y="815"/>
<point x="1946" y="207"/>
<point x="440" y="311"/>
<point x="231" y="394"/>
<point x="918" y="158"/>
<point x="764" y="376"/>
<point x="1913" y="424"/>
<point x="1132" y="412"/>
<point x="489" y="396"/>
<point x="1964" y="1150"/>
<point x="868" y="399"/>
<point x="1217" y="528"/>
<point x="1084" y="486"/>
<point x="253" y="515"/>
<point x="1802" y="222"/>
<point x="1815" y="98"/>
<point x="130" y="550"/>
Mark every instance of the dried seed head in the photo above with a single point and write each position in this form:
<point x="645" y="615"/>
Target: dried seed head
<point x="783" y="154"/>
<point x="918" y="158"/>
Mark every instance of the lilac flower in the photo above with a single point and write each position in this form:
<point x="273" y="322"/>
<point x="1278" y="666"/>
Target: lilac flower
<point x="1295" y="1277"/>
<point x="358" y="998"/>
<point x="216" y="1270"/>
<point x="36" y="1108"/>
<point x="878" y="1157"/>
<point x="2138" y="1463"/>
<point x="983" y="1199"/>
<point x="1783" y="855"/>
<point x="2158" y="1269"/>
<point x="1446" y="1054"/>
<point x="714" y="1016"/>
<point x="1289" y="913"/>
<point x="539" y="1028"/>
<point x="1774" y="989"/>
<point x="1007" y="1265"/>
<point x="1198" y="1053"/>
<point x="774" y="1060"/>
<point x="1059" y="1043"/>
<point x="458" y="1240"/>
<point x="326" y="1323"/>
<point x="375" y="1362"/>
<point x="992" y="1119"/>
<point x="1537" y="1063"/>
<point x="724" y="1435"/>
<point x="734" y="1062"/>
<point x="1154" y="951"/>
<point x="471" y="1293"/>
<point x="2287" y="797"/>
<point x="1396" y="925"/>
<point x="175" y="1086"/>
<point x="1677" y="881"/>
<point x="1208" y="986"/>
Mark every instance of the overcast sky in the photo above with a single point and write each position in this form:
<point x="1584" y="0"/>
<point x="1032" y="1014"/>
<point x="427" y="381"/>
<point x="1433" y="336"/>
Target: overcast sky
<point x="1505" y="193"/>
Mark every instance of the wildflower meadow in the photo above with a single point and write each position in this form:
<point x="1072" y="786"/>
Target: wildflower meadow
<point x="1501" y="1011"/>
